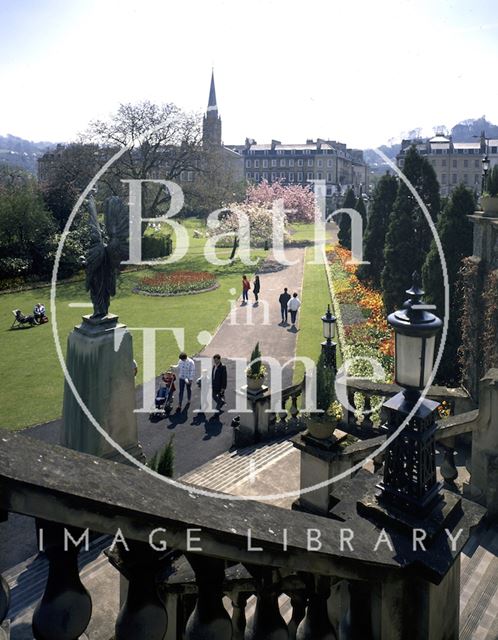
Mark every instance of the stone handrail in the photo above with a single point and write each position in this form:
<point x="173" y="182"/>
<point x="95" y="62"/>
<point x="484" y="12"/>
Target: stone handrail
<point x="458" y="401"/>
<point x="448" y="429"/>
<point x="70" y="493"/>
<point x="288" y="421"/>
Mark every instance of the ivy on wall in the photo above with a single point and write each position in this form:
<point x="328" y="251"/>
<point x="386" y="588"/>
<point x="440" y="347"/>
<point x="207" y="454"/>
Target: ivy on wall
<point x="470" y="352"/>
<point x="490" y="321"/>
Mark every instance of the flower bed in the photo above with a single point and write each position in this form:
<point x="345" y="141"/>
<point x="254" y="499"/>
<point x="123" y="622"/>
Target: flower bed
<point x="364" y="336"/>
<point x="371" y="338"/>
<point x="176" y="283"/>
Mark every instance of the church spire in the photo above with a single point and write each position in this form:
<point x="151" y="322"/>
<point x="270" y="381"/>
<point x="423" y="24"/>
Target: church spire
<point x="212" y="106"/>
<point x="211" y="124"/>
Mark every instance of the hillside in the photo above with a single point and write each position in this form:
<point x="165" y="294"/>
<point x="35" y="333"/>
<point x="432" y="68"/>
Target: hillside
<point x="22" y="153"/>
<point x="464" y="131"/>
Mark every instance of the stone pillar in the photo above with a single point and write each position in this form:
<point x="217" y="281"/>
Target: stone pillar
<point x="483" y="487"/>
<point x="415" y="609"/>
<point x="103" y="376"/>
<point x="254" y="423"/>
<point x="321" y="460"/>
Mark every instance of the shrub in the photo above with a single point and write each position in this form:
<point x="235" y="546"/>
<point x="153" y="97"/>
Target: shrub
<point x="156" y="247"/>
<point x="256" y="369"/>
<point x="163" y="462"/>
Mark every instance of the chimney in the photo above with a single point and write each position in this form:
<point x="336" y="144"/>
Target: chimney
<point x="274" y="144"/>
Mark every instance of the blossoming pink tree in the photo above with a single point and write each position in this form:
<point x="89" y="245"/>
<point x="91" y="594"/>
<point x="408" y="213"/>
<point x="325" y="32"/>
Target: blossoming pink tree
<point x="299" y="201"/>
<point x="261" y="222"/>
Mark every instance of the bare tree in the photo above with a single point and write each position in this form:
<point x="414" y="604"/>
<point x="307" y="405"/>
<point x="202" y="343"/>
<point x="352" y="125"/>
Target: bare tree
<point x="163" y="141"/>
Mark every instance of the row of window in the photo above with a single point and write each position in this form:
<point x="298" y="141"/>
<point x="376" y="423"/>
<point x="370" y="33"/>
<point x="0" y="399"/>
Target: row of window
<point x="454" y="163"/>
<point x="284" y="163"/>
<point x="291" y="177"/>
<point x="291" y="152"/>
<point x="465" y="179"/>
<point x="471" y="152"/>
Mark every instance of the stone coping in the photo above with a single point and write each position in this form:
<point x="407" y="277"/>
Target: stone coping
<point x="74" y="489"/>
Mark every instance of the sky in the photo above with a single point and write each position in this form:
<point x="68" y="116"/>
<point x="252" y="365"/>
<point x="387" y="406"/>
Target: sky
<point x="360" y="72"/>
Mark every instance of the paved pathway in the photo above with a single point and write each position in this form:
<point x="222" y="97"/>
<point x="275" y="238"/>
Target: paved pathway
<point x="249" y="324"/>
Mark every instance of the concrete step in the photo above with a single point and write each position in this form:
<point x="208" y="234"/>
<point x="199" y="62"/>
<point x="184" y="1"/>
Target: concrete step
<point x="233" y="468"/>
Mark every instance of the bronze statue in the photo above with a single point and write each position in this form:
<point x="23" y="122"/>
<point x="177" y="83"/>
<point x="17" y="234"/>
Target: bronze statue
<point x="103" y="258"/>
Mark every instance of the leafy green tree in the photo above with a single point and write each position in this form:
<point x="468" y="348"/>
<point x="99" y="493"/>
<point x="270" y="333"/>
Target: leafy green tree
<point x="345" y="221"/>
<point x="398" y="268"/>
<point x="409" y="234"/>
<point x="455" y="233"/>
<point x="375" y="234"/>
<point x="491" y="186"/>
<point x="26" y="227"/>
<point x="64" y="174"/>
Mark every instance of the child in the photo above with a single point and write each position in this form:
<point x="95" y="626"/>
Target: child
<point x="245" y="289"/>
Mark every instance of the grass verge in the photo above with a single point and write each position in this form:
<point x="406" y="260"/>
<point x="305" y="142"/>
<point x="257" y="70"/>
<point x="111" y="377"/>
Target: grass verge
<point x="315" y="298"/>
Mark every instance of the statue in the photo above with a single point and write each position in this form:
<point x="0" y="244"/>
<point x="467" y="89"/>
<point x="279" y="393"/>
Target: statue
<point x="103" y="259"/>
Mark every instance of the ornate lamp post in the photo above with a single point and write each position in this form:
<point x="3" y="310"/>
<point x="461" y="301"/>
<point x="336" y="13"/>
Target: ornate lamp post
<point x="329" y="348"/>
<point x="410" y="463"/>
<point x="485" y="169"/>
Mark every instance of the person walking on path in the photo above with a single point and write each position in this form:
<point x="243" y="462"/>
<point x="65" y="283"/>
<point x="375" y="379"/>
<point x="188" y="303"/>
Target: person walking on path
<point x="185" y="373"/>
<point x="283" y="300"/>
<point x="245" y="289"/>
<point x="256" y="289"/>
<point x="293" y="306"/>
<point x="218" y="381"/>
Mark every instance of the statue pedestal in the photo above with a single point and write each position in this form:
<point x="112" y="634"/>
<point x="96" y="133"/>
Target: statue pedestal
<point x="100" y="363"/>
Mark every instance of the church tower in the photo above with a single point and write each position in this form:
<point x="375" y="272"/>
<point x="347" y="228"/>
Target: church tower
<point x="211" y="124"/>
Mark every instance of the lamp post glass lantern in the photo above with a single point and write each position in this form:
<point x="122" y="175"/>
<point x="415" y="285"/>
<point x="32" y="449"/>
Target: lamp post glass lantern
<point x="328" y="321"/>
<point x="485" y="169"/>
<point x="415" y="330"/>
<point x="410" y="480"/>
<point x="329" y="347"/>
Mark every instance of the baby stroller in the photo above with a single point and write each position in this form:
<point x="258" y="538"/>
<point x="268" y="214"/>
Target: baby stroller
<point x="39" y="313"/>
<point x="164" y="396"/>
<point x="21" y="321"/>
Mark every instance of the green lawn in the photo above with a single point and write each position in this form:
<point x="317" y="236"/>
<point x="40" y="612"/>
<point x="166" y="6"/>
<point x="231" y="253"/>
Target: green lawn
<point x="31" y="390"/>
<point x="315" y="299"/>
<point x="301" y="232"/>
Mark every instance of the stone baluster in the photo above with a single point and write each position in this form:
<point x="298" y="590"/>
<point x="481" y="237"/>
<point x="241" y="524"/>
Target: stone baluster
<point x="239" y="621"/>
<point x="367" y="412"/>
<point x="143" y="614"/>
<point x="283" y="415"/>
<point x="209" y="619"/>
<point x="294" y="412"/>
<point x="298" y="603"/>
<point x="65" y="609"/>
<point x="448" y="468"/>
<point x="316" y="624"/>
<point x="351" y="419"/>
<point x="266" y="623"/>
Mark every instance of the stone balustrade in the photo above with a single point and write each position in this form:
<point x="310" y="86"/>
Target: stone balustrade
<point x="230" y="547"/>
<point x="361" y="393"/>
<point x="288" y="420"/>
